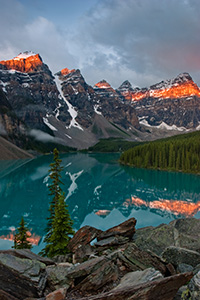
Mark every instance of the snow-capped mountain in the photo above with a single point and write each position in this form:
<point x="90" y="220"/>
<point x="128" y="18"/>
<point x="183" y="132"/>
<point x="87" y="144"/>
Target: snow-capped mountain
<point x="172" y="104"/>
<point x="64" y="107"/>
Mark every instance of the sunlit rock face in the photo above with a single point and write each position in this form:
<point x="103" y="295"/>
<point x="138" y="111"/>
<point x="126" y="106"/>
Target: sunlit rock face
<point x="66" y="71"/>
<point x="25" y="62"/>
<point x="32" y="92"/>
<point x="104" y="89"/>
<point x="174" y="103"/>
<point x="100" y="102"/>
<point x="180" y="87"/>
<point x="64" y="106"/>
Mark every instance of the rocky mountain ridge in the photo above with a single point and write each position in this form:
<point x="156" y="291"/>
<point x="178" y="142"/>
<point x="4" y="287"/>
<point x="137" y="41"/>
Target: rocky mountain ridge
<point x="70" y="112"/>
<point x="172" y="104"/>
<point x="64" y="107"/>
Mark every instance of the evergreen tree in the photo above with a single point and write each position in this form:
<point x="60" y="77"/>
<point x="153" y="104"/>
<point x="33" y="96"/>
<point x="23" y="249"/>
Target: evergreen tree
<point x="20" y="239"/>
<point x="54" y="189"/>
<point x="57" y="237"/>
<point x="61" y="229"/>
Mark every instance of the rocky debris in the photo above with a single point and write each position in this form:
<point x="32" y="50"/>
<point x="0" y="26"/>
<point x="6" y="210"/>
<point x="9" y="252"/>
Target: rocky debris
<point x="177" y="255"/>
<point x="28" y="254"/>
<point x="57" y="276"/>
<point x="144" y="259"/>
<point x="10" y="151"/>
<point x="163" y="289"/>
<point x="113" y="268"/>
<point x="182" y="233"/>
<point x="59" y="294"/>
<point x="83" y="237"/>
<point x="82" y="253"/>
<point x="183" y="268"/>
<point x="22" y="278"/>
<point x="112" y="241"/>
<point x="6" y="296"/>
<point x="125" y="229"/>
<point x="194" y="287"/>
<point x="138" y="277"/>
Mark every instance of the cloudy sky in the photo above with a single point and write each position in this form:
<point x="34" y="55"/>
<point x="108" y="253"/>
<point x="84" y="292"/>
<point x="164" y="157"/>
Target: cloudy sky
<point x="144" y="41"/>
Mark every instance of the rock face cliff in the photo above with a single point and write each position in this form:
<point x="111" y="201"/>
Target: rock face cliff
<point x="64" y="107"/>
<point x="171" y="104"/>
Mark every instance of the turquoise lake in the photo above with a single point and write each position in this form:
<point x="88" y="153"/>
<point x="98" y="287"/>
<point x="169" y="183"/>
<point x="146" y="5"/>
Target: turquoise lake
<point x="99" y="192"/>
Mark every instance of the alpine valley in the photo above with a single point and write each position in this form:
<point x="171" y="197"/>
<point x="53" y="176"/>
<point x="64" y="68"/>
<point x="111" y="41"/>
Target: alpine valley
<point x="37" y="107"/>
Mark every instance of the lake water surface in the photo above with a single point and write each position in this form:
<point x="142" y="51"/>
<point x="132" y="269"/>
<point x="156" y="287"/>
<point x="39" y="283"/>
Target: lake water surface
<point x="99" y="192"/>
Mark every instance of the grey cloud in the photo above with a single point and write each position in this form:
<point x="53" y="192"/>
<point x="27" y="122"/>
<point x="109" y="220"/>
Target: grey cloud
<point x="39" y="35"/>
<point x="42" y="136"/>
<point x="154" y="39"/>
<point x="140" y="40"/>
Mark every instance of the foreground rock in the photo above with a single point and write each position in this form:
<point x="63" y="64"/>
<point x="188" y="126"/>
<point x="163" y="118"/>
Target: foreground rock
<point x="115" y="267"/>
<point x="26" y="253"/>
<point x="163" y="289"/>
<point x="83" y="237"/>
<point x="184" y="233"/>
<point x="125" y="229"/>
<point x="22" y="278"/>
<point x="177" y="256"/>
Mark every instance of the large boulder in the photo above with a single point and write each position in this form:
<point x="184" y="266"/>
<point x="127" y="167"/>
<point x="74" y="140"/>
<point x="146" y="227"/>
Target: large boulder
<point x="177" y="256"/>
<point x="26" y="253"/>
<point x="125" y="229"/>
<point x="162" y="289"/>
<point x="22" y="278"/>
<point x="83" y="236"/>
<point x="184" y="233"/>
<point x="6" y="296"/>
<point x="87" y="277"/>
<point x="194" y="287"/>
<point x="111" y="242"/>
<point x="138" y="277"/>
<point x="59" y="294"/>
<point x="146" y="259"/>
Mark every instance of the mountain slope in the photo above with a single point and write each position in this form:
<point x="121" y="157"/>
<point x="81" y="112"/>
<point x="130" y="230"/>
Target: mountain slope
<point x="11" y="151"/>
<point x="172" y="104"/>
<point x="65" y="107"/>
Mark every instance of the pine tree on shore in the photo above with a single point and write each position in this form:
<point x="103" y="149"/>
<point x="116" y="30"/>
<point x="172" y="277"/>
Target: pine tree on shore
<point x="20" y="238"/>
<point x="59" y="226"/>
<point x="61" y="229"/>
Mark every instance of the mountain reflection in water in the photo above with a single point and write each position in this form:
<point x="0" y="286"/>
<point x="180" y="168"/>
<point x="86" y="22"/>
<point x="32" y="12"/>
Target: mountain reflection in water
<point x="99" y="192"/>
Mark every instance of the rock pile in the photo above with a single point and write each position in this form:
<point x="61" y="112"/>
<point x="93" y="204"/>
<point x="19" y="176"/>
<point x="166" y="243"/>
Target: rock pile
<point x="113" y="267"/>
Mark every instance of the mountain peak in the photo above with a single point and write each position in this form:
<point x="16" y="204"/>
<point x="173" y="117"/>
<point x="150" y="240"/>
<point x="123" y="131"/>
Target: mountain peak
<point x="125" y="84"/>
<point x="103" y="84"/>
<point x="66" y="71"/>
<point x="25" y="62"/>
<point x="24" y="55"/>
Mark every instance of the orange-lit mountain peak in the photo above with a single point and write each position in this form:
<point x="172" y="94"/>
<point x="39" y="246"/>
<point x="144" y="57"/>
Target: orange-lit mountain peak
<point x="103" y="84"/>
<point x="180" y="87"/>
<point x="25" y="62"/>
<point x="66" y="71"/>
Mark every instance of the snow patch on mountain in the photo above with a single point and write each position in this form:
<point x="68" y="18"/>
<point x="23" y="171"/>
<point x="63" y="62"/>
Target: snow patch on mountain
<point x="24" y="55"/>
<point x="4" y="84"/>
<point x="96" y="106"/>
<point x="73" y="113"/>
<point x="46" y="121"/>
<point x="163" y="125"/>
